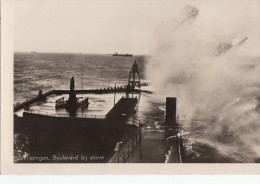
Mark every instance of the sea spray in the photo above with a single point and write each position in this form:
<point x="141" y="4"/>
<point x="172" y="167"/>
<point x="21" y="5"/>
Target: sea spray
<point x="216" y="77"/>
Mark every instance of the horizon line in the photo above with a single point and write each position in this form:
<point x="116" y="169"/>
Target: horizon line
<point x="53" y="52"/>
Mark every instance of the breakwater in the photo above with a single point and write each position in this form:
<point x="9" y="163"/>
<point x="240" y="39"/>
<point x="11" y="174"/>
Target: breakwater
<point x="22" y="105"/>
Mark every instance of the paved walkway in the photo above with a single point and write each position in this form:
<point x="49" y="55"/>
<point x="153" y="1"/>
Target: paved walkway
<point x="152" y="150"/>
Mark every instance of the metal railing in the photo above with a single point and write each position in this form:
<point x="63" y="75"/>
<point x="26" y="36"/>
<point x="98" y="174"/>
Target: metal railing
<point x="92" y="116"/>
<point x="60" y="102"/>
<point x="129" y="148"/>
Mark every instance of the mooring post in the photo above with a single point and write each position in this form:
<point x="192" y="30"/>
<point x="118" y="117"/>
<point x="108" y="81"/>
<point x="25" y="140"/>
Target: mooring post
<point x="171" y="104"/>
<point x="140" y="135"/>
<point x="115" y="95"/>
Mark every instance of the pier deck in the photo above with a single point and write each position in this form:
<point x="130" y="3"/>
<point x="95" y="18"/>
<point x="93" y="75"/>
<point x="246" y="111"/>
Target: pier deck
<point x="122" y="109"/>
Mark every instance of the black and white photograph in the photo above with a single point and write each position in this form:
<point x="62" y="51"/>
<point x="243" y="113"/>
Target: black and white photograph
<point x="144" y="81"/>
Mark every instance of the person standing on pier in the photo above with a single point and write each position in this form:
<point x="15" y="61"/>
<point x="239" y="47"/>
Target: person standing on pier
<point x="135" y="70"/>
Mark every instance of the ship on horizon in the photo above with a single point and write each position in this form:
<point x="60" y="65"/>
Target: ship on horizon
<point x="125" y="55"/>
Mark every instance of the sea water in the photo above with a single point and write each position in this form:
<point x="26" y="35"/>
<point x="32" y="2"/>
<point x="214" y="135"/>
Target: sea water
<point x="50" y="71"/>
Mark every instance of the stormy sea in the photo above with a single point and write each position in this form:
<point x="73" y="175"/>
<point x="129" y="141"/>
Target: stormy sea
<point x="207" y="139"/>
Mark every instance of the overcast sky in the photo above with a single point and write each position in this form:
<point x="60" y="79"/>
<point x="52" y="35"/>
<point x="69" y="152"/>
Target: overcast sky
<point x="110" y="26"/>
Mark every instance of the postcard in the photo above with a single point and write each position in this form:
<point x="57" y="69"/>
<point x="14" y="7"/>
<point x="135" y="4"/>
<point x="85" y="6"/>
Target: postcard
<point x="139" y="87"/>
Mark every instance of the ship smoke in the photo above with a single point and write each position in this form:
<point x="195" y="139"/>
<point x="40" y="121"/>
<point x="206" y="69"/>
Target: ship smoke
<point x="214" y="71"/>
